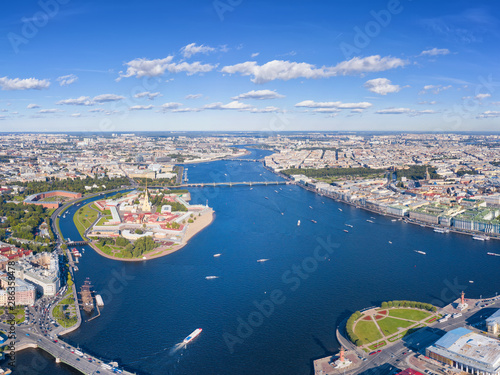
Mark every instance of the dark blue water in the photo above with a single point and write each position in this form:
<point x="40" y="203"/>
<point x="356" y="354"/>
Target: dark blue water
<point x="316" y="275"/>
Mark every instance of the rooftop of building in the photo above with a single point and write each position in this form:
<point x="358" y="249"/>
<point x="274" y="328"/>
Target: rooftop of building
<point x="470" y="348"/>
<point x="494" y="318"/>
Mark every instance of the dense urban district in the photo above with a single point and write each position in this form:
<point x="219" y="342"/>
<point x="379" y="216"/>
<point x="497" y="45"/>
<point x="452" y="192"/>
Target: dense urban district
<point x="449" y="182"/>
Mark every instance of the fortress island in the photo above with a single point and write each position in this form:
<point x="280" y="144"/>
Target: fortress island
<point x="142" y="225"/>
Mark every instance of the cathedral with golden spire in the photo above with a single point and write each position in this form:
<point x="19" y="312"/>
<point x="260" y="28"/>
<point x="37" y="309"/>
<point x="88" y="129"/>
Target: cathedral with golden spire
<point x="146" y="204"/>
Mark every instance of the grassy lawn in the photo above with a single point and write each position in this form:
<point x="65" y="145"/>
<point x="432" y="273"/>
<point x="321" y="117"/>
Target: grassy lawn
<point x="367" y="331"/>
<point x="405" y="333"/>
<point x="84" y="218"/>
<point x="65" y="311"/>
<point x="104" y="219"/>
<point x="112" y="250"/>
<point x="410" y="314"/>
<point x="17" y="314"/>
<point x="390" y="326"/>
<point x="105" y="249"/>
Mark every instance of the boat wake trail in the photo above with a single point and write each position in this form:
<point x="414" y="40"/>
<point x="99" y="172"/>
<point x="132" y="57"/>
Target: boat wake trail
<point x="176" y="348"/>
<point x="171" y="352"/>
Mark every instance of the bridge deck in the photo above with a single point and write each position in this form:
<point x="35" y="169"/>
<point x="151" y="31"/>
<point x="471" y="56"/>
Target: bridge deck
<point x="240" y="183"/>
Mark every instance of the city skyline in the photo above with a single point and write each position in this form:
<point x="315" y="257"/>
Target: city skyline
<point x="233" y="65"/>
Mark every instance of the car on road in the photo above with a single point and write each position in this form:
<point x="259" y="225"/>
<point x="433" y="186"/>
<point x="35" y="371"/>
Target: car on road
<point x="372" y="353"/>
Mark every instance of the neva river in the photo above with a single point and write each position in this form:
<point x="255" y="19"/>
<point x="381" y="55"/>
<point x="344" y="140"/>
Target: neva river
<point x="151" y="306"/>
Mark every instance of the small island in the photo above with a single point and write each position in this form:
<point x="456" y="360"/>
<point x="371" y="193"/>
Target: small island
<point x="140" y="225"/>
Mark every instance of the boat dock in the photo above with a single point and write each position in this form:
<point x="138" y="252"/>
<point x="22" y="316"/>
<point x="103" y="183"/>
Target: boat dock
<point x="86" y="294"/>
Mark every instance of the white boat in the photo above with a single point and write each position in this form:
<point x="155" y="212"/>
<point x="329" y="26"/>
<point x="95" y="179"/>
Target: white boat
<point x="251" y="188"/>
<point x="370" y="221"/>
<point x="192" y="336"/>
<point x="393" y="220"/>
<point x="266" y="197"/>
<point x="262" y="260"/>
<point x="298" y="223"/>
<point x="345" y="230"/>
<point x="314" y="221"/>
<point x="211" y="277"/>
<point x="349" y="225"/>
<point x="217" y="255"/>
<point x="310" y="207"/>
<point x="276" y="191"/>
<point x="439" y="230"/>
<point x="421" y="252"/>
<point x="481" y="238"/>
<point x="470" y="281"/>
<point x="371" y="217"/>
<point x="494" y="254"/>
<point x="340" y="209"/>
<point x="390" y="242"/>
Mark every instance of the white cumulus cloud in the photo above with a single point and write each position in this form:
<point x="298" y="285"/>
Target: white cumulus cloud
<point x="23" y="84"/>
<point x="193" y="49"/>
<point x="381" y="86"/>
<point x="32" y="106"/>
<point x="107" y="98"/>
<point x="194" y="96"/>
<point x="186" y="109"/>
<point x="489" y="114"/>
<point x="147" y="94"/>
<point x="52" y="110"/>
<point x="269" y="109"/>
<point x="435" y="52"/>
<point x="402" y="111"/>
<point x="259" y="94"/>
<point x="154" y="68"/>
<point x="482" y="96"/>
<point x="236" y="105"/>
<point x="339" y="105"/>
<point x="140" y="107"/>
<point x="435" y="89"/>
<point x="82" y="100"/>
<point x="286" y="70"/>
<point x="67" y="80"/>
<point x="171" y="105"/>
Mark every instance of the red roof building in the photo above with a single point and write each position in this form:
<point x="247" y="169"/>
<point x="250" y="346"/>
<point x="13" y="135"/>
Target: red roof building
<point x="409" y="371"/>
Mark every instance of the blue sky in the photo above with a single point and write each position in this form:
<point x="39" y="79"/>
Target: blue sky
<point x="71" y="65"/>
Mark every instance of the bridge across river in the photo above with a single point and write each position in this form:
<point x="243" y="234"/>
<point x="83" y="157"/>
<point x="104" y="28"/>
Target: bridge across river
<point x="230" y="184"/>
<point x="77" y="243"/>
